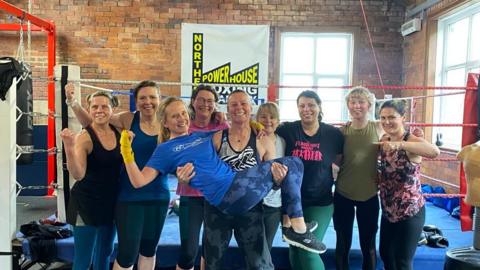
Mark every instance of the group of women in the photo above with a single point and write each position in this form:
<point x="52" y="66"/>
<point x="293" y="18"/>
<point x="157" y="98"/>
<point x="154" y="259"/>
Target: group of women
<point x="139" y="205"/>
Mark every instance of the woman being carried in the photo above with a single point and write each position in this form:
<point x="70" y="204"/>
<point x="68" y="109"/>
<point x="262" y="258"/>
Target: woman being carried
<point x="194" y="158"/>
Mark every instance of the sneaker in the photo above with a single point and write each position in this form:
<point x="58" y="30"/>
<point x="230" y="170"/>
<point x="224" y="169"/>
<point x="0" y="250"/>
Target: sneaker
<point x="311" y="227"/>
<point x="306" y="241"/>
<point x="422" y="240"/>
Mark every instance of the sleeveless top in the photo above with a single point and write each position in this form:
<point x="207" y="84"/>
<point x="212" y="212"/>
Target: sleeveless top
<point x="399" y="185"/>
<point x="357" y="178"/>
<point x="93" y="198"/>
<point x="143" y="146"/>
<point x="239" y="160"/>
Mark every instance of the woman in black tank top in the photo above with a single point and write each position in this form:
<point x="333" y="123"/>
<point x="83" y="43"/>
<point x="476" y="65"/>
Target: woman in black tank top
<point x="94" y="160"/>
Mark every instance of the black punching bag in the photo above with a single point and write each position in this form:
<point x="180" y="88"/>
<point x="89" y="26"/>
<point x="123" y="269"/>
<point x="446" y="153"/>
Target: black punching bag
<point x="25" y="122"/>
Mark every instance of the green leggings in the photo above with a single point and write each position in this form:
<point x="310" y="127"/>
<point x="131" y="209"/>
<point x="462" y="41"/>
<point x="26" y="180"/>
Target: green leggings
<point x="301" y="259"/>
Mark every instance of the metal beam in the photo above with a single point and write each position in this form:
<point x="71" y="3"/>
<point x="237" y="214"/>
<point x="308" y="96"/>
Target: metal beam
<point x="419" y="8"/>
<point x="17" y="27"/>
<point x="23" y="15"/>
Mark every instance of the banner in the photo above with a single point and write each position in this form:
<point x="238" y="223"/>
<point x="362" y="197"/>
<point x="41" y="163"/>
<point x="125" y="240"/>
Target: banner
<point x="226" y="55"/>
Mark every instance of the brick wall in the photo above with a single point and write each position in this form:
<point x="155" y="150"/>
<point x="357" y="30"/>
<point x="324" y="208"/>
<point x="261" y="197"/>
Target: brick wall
<point x="135" y="40"/>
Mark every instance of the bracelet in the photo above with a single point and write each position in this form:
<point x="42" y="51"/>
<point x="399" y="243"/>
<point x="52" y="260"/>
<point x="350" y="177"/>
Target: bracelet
<point x="71" y="103"/>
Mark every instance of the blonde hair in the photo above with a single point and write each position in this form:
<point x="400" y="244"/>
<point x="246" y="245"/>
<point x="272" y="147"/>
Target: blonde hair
<point x="164" y="134"/>
<point x="362" y="92"/>
<point x="113" y="101"/>
<point x="270" y="108"/>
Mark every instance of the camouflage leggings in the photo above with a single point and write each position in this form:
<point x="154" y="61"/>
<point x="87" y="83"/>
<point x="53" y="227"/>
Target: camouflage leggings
<point x="250" y="186"/>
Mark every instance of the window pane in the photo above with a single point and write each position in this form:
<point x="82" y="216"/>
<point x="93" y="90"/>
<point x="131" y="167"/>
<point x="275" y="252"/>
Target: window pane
<point x="288" y="96"/>
<point x="474" y="70"/>
<point x="452" y="136"/>
<point x="309" y="59"/>
<point x="456" y="49"/>
<point x="292" y="93"/>
<point x="475" y="38"/>
<point x="297" y="55"/>
<point x="332" y="55"/>
<point x="289" y="111"/>
<point x="332" y="99"/>
<point x="455" y="77"/>
<point x="330" y="93"/>
<point x="332" y="111"/>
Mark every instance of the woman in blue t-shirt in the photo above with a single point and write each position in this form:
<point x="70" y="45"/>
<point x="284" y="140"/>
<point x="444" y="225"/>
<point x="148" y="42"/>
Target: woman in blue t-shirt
<point x="195" y="160"/>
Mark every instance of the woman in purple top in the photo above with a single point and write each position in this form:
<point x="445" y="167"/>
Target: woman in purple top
<point x="403" y="210"/>
<point x="203" y="117"/>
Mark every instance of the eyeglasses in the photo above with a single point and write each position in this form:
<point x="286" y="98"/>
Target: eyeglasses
<point x="205" y="101"/>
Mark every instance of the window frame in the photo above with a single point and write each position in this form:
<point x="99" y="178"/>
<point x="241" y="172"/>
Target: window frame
<point x="442" y="69"/>
<point x="348" y="78"/>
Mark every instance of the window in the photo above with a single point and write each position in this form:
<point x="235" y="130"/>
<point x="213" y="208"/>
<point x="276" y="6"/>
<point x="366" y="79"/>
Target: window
<point x="457" y="55"/>
<point x="308" y="59"/>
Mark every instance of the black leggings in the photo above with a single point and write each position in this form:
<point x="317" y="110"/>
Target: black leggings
<point x="139" y="225"/>
<point x="272" y="218"/>
<point x="398" y="241"/>
<point x="191" y="219"/>
<point x="367" y="220"/>
<point x="249" y="233"/>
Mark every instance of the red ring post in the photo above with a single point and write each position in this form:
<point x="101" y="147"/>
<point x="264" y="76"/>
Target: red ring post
<point x="49" y="27"/>
<point x="469" y="136"/>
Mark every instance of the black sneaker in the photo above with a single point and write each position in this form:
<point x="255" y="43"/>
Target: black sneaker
<point x="423" y="239"/>
<point x="306" y="241"/>
<point x="311" y="227"/>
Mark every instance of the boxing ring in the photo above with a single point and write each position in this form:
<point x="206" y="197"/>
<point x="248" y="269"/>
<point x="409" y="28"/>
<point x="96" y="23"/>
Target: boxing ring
<point x="59" y="182"/>
<point x="169" y="242"/>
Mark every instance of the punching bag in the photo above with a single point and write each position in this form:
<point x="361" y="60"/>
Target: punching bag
<point x="25" y="122"/>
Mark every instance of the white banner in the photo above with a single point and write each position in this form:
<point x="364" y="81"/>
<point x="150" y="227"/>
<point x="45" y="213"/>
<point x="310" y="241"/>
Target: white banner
<point x="228" y="55"/>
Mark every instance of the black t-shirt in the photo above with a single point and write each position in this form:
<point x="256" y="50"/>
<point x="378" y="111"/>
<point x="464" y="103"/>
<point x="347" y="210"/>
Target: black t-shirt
<point x="317" y="152"/>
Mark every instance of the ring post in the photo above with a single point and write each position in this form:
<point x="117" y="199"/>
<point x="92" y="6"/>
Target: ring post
<point x="8" y="219"/>
<point x="65" y="73"/>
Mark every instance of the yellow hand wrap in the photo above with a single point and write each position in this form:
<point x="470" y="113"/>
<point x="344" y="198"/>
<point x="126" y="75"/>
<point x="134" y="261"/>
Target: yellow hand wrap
<point x="126" y="147"/>
<point x="256" y="125"/>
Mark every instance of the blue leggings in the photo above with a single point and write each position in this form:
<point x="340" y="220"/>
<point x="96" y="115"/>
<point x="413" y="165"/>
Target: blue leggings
<point x="250" y="186"/>
<point x="93" y="246"/>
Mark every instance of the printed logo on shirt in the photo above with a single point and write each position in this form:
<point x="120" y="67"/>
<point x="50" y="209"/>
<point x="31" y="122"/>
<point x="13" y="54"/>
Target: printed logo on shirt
<point x="185" y="146"/>
<point x="307" y="151"/>
<point x="244" y="160"/>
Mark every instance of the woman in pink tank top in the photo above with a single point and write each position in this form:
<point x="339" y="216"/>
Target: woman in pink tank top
<point x="403" y="210"/>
